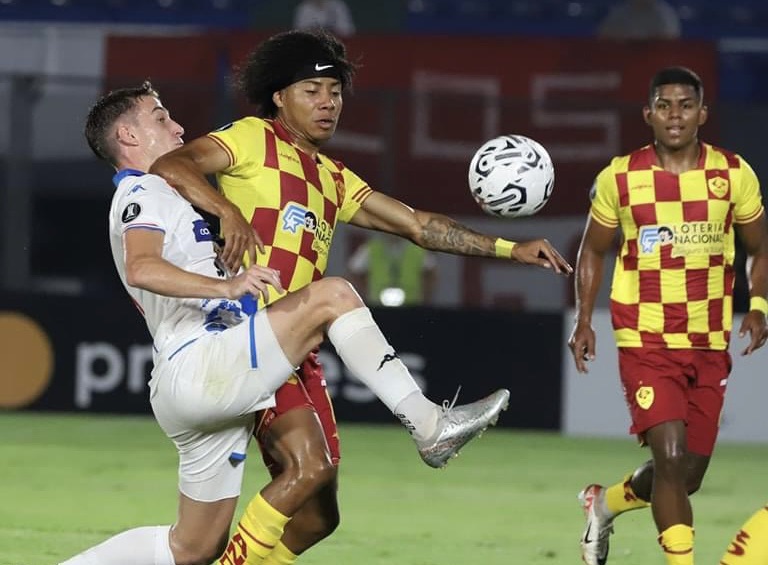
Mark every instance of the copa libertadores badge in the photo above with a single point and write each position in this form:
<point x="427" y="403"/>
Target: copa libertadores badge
<point x="131" y="212"/>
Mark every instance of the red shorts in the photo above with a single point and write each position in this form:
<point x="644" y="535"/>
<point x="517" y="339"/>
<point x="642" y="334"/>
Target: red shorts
<point x="305" y="389"/>
<point x="661" y="385"/>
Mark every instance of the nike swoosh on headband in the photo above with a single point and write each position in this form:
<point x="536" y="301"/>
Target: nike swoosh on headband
<point x="319" y="67"/>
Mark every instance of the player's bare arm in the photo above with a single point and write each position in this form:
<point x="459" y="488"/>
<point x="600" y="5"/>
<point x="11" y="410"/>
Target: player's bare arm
<point x="754" y="237"/>
<point x="146" y="268"/>
<point x="597" y="241"/>
<point x="185" y="170"/>
<point x="437" y="232"/>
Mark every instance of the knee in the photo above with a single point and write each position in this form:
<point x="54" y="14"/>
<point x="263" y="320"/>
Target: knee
<point x="339" y="294"/>
<point x="671" y="463"/>
<point x="315" y="472"/>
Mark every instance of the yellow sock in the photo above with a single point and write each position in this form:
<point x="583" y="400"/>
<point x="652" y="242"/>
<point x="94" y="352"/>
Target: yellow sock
<point x="281" y="555"/>
<point x="258" y="531"/>
<point x="750" y="545"/>
<point x="677" y="544"/>
<point x="620" y="497"/>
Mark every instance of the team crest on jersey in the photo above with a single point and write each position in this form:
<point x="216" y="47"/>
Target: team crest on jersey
<point x="644" y="397"/>
<point x="131" y="212"/>
<point x="718" y="186"/>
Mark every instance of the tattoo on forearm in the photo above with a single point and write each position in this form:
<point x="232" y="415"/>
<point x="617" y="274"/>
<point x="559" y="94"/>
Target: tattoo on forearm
<point x="443" y="234"/>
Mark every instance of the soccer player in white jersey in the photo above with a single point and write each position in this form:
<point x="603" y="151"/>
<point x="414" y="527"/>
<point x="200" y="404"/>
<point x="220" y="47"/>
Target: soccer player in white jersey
<point x="216" y="361"/>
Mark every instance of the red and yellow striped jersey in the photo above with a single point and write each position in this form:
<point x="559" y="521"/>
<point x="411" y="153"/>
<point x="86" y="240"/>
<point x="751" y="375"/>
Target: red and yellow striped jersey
<point x="673" y="279"/>
<point x="292" y="200"/>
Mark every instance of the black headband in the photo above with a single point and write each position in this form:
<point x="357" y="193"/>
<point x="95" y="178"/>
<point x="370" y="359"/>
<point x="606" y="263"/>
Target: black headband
<point x="311" y="70"/>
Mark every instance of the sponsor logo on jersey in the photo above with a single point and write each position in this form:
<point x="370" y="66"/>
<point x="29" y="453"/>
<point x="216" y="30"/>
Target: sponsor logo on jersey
<point x="136" y="188"/>
<point x="202" y="230"/>
<point x="289" y="157"/>
<point x="297" y="217"/>
<point x="310" y="222"/>
<point x="648" y="238"/>
<point x="294" y="216"/>
<point x="687" y="238"/>
<point x="131" y="212"/>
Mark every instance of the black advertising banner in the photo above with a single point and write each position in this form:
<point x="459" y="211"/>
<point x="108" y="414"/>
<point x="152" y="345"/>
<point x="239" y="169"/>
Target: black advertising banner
<point x="76" y="354"/>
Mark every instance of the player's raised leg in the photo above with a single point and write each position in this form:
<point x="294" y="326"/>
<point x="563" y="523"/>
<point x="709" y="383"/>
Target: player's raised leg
<point x="299" y="321"/>
<point x="439" y="431"/>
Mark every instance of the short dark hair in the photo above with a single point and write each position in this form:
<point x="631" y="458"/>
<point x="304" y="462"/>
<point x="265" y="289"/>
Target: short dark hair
<point x="275" y="62"/>
<point x="105" y="113"/>
<point x="676" y="75"/>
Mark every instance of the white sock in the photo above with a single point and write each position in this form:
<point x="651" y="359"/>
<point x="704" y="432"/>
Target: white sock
<point x="418" y="414"/>
<point x="367" y="353"/>
<point x="148" y="545"/>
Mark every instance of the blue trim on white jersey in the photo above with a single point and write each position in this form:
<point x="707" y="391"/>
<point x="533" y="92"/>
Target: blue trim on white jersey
<point x="152" y="227"/>
<point x="249" y="304"/>
<point x="120" y="175"/>
<point x="254" y="357"/>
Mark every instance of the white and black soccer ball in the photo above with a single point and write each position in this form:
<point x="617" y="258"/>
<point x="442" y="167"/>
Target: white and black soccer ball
<point x="511" y="176"/>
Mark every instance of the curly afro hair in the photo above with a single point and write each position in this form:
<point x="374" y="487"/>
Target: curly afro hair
<point x="273" y="65"/>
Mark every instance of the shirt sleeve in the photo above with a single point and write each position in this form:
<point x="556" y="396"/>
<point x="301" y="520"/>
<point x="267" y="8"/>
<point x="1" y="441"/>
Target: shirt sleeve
<point x="604" y="196"/>
<point x="356" y="190"/>
<point x="148" y="205"/>
<point x="231" y="138"/>
<point x="748" y="204"/>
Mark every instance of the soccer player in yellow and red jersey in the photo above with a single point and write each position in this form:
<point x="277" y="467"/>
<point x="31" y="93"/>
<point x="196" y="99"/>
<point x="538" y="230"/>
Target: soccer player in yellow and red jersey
<point x="284" y="198"/>
<point x="679" y="204"/>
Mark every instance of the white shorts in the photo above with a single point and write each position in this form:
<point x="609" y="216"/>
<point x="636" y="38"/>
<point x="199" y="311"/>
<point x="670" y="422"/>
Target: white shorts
<point x="204" y="397"/>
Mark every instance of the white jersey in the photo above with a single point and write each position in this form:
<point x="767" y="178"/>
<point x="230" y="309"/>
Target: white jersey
<point x="144" y="201"/>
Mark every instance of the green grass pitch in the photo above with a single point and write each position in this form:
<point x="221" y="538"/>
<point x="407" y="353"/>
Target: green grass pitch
<point x="67" y="482"/>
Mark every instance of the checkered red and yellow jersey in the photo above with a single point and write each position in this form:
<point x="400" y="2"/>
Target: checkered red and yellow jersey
<point x="673" y="279"/>
<point x="292" y="200"/>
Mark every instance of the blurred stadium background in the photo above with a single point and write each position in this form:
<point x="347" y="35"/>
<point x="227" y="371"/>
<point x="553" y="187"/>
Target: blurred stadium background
<point x="438" y="78"/>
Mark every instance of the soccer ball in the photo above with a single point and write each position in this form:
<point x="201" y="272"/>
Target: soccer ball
<point x="511" y="176"/>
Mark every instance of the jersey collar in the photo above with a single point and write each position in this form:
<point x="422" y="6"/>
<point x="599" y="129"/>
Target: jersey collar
<point x="120" y="175"/>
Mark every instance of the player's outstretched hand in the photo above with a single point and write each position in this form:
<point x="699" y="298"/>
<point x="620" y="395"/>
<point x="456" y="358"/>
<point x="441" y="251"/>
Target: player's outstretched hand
<point x="754" y="324"/>
<point x="255" y="280"/>
<point x="582" y="344"/>
<point x="239" y="239"/>
<point x="540" y="252"/>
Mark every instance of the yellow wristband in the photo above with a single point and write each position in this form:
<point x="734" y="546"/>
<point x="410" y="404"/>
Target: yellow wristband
<point x="755" y="303"/>
<point x="504" y="248"/>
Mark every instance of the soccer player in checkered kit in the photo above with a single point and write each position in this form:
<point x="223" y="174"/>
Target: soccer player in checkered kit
<point x="218" y="360"/>
<point x="679" y="203"/>
<point x="281" y="201"/>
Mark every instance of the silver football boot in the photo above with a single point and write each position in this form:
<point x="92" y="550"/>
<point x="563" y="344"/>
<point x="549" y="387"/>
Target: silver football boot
<point x="458" y="425"/>
<point x="595" y="541"/>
